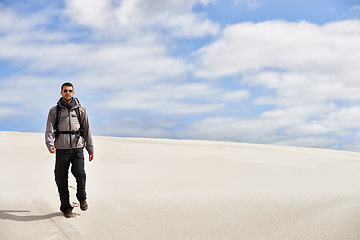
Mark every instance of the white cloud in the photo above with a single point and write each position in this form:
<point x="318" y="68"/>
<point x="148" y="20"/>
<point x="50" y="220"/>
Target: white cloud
<point x="284" y="127"/>
<point x="189" y="25"/>
<point x="11" y="22"/>
<point x="119" y="64"/>
<point x="300" y="62"/>
<point x="283" y="45"/>
<point x="168" y="99"/>
<point x="308" y="74"/>
<point x="236" y="95"/>
<point x="92" y="13"/>
<point x="139" y="16"/>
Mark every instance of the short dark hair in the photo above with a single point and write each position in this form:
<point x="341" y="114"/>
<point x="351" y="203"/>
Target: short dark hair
<point x="66" y="84"/>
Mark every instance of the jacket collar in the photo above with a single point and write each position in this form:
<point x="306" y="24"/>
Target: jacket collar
<point x="73" y="104"/>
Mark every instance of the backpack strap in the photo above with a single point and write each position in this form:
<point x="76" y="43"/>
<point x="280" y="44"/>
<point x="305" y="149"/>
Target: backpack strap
<point x="57" y="120"/>
<point x="81" y="130"/>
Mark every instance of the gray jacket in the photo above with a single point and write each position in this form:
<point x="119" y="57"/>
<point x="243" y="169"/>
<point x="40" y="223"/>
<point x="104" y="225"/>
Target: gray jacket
<point x="69" y="122"/>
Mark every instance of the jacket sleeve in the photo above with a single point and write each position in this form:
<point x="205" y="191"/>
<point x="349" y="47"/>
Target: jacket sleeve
<point x="87" y="133"/>
<point x="49" y="133"/>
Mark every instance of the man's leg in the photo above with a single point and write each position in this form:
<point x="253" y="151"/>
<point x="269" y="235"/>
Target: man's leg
<point x="61" y="177"/>
<point x="78" y="170"/>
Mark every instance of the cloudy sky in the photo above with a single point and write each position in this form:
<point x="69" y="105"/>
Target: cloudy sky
<point x="259" y="71"/>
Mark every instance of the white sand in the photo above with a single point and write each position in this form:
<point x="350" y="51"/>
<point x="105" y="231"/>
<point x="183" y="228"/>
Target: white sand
<point x="182" y="189"/>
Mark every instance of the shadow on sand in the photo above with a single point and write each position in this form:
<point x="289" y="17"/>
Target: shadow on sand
<point x="19" y="216"/>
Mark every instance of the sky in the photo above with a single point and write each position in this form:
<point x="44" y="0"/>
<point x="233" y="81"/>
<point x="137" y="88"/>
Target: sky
<point x="257" y="71"/>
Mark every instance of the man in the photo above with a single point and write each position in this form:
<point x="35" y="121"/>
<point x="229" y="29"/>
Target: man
<point x="67" y="133"/>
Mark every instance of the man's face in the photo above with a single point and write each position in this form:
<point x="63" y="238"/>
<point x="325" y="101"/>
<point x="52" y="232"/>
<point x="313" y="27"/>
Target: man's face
<point x="67" y="93"/>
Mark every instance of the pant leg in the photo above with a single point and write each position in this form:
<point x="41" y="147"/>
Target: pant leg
<point x="61" y="177"/>
<point x="78" y="170"/>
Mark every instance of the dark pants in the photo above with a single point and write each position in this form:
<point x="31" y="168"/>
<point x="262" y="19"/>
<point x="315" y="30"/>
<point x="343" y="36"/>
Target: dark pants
<point x="63" y="159"/>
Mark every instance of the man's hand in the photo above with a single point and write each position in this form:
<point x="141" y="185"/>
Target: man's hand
<point x="91" y="157"/>
<point x="52" y="149"/>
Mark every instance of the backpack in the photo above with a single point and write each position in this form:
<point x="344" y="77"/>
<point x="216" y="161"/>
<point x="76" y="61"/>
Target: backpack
<point x="57" y="132"/>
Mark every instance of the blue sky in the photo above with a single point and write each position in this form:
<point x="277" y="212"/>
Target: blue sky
<point x="259" y="71"/>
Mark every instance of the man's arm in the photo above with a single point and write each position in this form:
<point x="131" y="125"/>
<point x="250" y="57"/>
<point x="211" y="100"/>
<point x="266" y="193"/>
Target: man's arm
<point x="49" y="133"/>
<point x="87" y="134"/>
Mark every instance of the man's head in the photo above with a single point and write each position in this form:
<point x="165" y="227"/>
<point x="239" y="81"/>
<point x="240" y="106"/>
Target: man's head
<point x="67" y="91"/>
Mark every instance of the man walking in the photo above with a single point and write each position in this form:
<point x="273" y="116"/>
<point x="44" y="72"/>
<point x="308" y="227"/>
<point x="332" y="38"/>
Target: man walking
<point x="67" y="133"/>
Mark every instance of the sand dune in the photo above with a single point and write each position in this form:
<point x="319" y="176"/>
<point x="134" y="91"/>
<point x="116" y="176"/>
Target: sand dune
<point x="182" y="189"/>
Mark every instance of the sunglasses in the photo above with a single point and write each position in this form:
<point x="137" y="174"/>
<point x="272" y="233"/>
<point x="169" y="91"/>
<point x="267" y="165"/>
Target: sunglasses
<point x="65" y="91"/>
